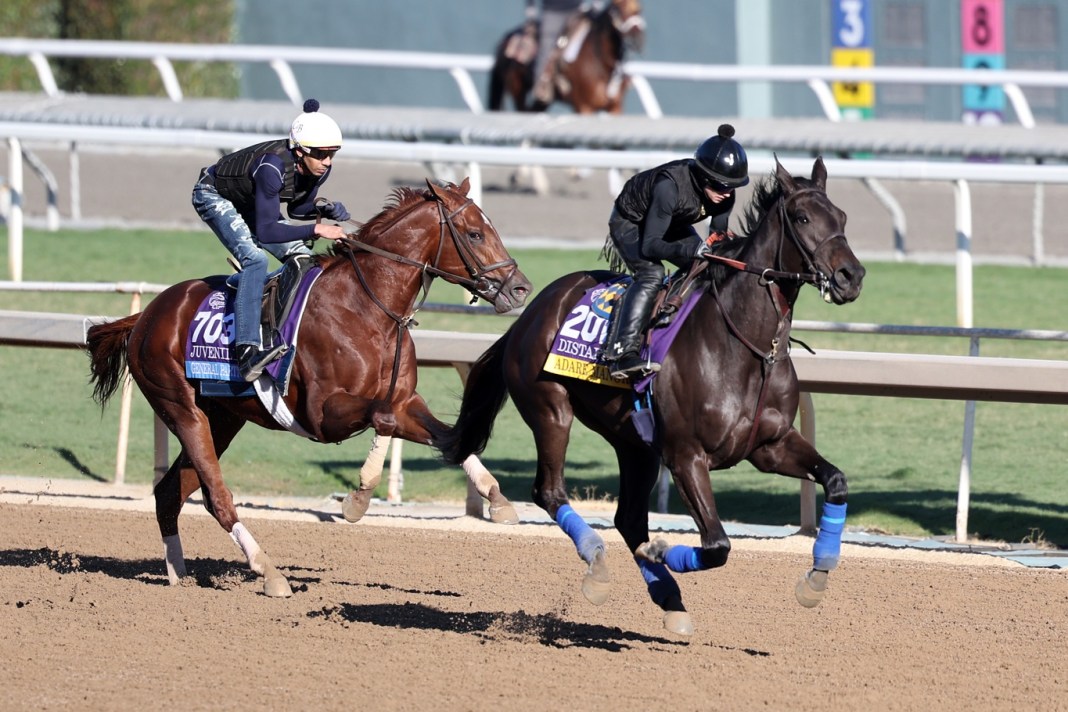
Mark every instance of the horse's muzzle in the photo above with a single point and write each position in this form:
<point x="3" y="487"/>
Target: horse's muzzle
<point x="512" y="294"/>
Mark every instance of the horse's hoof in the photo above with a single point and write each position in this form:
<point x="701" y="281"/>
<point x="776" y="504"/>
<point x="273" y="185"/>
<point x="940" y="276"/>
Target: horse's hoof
<point x="652" y="551"/>
<point x="501" y="510"/>
<point x="503" y="513"/>
<point x="597" y="583"/>
<point x="355" y="505"/>
<point x="678" y="622"/>
<point x="810" y="588"/>
<point x="277" y="587"/>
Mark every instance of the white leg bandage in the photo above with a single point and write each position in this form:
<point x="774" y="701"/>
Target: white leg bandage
<point x="479" y="475"/>
<point x="174" y="558"/>
<point x="371" y="472"/>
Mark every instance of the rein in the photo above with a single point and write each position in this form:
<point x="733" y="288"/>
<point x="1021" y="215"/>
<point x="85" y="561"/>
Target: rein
<point x="475" y="269"/>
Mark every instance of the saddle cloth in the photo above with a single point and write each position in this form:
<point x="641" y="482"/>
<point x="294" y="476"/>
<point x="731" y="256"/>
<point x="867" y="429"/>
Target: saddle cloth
<point x="208" y="356"/>
<point x="578" y="347"/>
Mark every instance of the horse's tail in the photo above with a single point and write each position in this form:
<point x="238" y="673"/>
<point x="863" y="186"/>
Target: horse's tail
<point x="484" y="396"/>
<point x="106" y="344"/>
<point x="496" y="81"/>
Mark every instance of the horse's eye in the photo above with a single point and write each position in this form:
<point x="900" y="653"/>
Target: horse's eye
<point x="801" y="218"/>
<point x="474" y="235"/>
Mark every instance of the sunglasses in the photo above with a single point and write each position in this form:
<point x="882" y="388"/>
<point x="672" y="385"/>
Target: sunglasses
<point x="320" y="154"/>
<point x="718" y="187"/>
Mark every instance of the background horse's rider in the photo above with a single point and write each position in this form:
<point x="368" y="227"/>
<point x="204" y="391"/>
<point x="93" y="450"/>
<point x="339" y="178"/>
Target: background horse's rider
<point x="652" y="220"/>
<point x="551" y="22"/>
<point x="241" y="198"/>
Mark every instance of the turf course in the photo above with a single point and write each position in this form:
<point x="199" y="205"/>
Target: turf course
<point x="902" y="456"/>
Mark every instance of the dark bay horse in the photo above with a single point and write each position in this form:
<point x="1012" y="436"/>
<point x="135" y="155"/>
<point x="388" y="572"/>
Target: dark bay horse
<point x="727" y="392"/>
<point x="355" y="367"/>
<point x="594" y="81"/>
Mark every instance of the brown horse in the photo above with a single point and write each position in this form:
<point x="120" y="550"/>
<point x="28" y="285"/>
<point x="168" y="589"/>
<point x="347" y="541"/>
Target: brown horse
<point x="355" y="367"/>
<point x="727" y="392"/>
<point x="594" y="81"/>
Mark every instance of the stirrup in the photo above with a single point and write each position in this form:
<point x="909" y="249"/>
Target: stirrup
<point x="631" y="364"/>
<point x="251" y="366"/>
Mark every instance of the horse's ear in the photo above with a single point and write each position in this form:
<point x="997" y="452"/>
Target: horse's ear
<point x="434" y="190"/>
<point x="465" y="186"/>
<point x="819" y="174"/>
<point x="783" y="178"/>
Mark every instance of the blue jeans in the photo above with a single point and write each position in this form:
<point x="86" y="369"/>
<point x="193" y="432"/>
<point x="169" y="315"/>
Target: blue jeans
<point x="233" y="232"/>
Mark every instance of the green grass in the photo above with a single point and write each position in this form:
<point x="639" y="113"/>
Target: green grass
<point x="902" y="456"/>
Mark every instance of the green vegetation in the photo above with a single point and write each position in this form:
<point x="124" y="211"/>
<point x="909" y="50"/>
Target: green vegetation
<point x="902" y="456"/>
<point x="203" y="21"/>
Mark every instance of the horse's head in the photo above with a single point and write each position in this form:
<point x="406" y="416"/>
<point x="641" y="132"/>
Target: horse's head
<point x="628" y="21"/>
<point x="816" y="227"/>
<point x="471" y="252"/>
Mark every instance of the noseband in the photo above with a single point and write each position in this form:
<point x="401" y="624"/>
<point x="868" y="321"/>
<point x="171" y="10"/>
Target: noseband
<point x="814" y="275"/>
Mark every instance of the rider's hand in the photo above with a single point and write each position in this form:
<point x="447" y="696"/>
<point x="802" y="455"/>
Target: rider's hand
<point x="335" y="211"/>
<point x="330" y="232"/>
<point x="703" y="250"/>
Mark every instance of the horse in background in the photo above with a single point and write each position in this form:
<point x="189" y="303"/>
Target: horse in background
<point x="592" y="81"/>
<point x="727" y="391"/>
<point x="355" y="367"/>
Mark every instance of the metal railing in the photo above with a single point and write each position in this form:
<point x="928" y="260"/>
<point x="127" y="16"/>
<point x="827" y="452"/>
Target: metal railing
<point x="460" y="66"/>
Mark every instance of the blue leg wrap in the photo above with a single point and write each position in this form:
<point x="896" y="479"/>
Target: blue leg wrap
<point x="658" y="580"/>
<point x="587" y="541"/>
<point x="683" y="559"/>
<point x="829" y="541"/>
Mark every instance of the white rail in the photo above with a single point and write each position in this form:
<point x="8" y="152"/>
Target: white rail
<point x="968" y="378"/>
<point x="460" y="66"/>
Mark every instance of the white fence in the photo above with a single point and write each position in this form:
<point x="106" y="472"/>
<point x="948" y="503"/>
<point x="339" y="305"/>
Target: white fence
<point x="460" y="66"/>
<point x="967" y="378"/>
<point x="959" y="174"/>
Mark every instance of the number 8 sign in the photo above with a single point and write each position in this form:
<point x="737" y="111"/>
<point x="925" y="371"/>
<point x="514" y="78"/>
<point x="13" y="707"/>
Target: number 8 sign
<point x="982" y="28"/>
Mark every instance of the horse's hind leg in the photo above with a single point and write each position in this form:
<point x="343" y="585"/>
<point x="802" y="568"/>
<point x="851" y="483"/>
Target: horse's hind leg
<point x="195" y="429"/>
<point x="794" y="456"/>
<point x="546" y="410"/>
<point x="175" y="487"/>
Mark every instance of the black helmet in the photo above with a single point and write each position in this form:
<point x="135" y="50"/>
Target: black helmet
<point x="721" y="161"/>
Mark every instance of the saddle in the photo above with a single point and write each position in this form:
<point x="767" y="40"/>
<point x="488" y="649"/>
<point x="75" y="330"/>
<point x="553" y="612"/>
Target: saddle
<point x="279" y="291"/>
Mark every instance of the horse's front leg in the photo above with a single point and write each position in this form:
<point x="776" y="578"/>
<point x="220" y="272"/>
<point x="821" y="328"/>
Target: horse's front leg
<point x="690" y="468"/>
<point x="416" y="423"/>
<point x="794" y="456"/>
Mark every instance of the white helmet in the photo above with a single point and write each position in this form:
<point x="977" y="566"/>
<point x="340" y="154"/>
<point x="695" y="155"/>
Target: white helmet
<point x="313" y="129"/>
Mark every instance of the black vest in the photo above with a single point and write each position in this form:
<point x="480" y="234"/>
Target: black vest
<point x="233" y="181"/>
<point x="633" y="201"/>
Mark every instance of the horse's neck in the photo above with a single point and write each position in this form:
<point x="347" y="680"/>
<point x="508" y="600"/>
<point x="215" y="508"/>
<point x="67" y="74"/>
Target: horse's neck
<point x="390" y="285"/>
<point x="746" y="294"/>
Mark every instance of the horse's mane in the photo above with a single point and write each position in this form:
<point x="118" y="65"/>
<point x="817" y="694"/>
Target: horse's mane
<point x="766" y="194"/>
<point x="400" y="200"/>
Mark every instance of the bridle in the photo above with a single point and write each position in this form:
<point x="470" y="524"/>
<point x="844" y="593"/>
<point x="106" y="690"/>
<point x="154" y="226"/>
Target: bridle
<point x="783" y="306"/>
<point x="475" y="282"/>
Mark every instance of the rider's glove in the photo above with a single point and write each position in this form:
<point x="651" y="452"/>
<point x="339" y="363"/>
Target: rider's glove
<point x="335" y="211"/>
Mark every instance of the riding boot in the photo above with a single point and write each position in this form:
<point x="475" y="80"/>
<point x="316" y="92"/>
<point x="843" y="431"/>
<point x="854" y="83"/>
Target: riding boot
<point x="251" y="360"/>
<point x="635" y="310"/>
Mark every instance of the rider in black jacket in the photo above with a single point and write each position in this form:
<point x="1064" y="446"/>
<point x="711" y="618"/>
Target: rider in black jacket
<point x="652" y="220"/>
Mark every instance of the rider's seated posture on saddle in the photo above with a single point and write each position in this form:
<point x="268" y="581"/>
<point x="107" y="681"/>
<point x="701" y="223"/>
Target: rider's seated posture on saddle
<point x="652" y="220"/>
<point x="241" y="196"/>
<point x="552" y="21"/>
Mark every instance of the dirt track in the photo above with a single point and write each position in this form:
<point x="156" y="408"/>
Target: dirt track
<point x="470" y="616"/>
